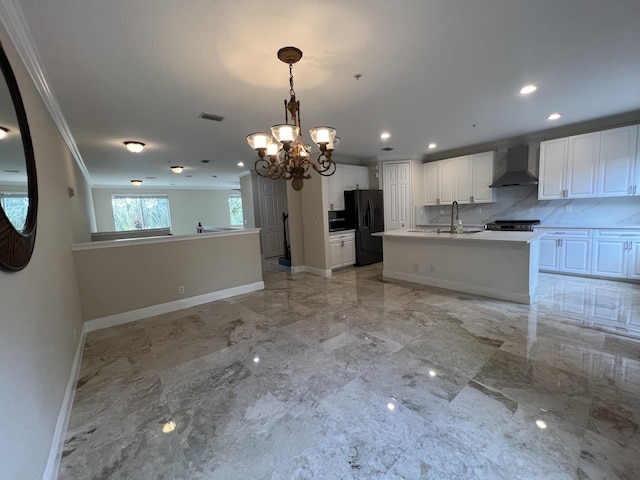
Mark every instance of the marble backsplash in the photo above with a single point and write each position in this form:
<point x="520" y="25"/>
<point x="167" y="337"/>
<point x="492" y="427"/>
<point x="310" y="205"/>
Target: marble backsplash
<point x="522" y="203"/>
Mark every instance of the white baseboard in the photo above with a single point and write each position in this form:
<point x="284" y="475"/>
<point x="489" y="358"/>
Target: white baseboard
<point x="317" y="271"/>
<point x="460" y="287"/>
<point x="133" y="315"/>
<point x="57" y="444"/>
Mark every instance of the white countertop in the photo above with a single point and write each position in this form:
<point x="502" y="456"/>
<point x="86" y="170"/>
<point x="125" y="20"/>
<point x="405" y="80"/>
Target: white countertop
<point x="128" y="242"/>
<point x="484" y="236"/>
<point x="341" y="232"/>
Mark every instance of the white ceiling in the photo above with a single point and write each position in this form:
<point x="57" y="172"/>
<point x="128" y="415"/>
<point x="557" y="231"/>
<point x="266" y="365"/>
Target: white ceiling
<point x="444" y="71"/>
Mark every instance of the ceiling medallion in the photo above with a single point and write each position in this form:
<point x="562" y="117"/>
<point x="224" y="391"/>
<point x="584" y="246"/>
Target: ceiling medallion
<point x="283" y="154"/>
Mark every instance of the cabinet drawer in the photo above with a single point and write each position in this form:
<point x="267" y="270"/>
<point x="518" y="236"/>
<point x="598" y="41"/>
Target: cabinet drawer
<point x="565" y="232"/>
<point x="618" y="233"/>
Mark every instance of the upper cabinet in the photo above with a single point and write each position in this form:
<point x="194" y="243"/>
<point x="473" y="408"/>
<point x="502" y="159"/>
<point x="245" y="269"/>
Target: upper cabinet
<point x="336" y="190"/>
<point x="619" y="166"/>
<point x="355" y="177"/>
<point x="347" y="177"/>
<point x="568" y="167"/>
<point x="598" y="164"/>
<point x="465" y="179"/>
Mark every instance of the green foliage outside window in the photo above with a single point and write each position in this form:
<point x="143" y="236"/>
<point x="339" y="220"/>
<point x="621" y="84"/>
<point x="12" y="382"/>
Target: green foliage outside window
<point x="140" y="213"/>
<point x="235" y="210"/>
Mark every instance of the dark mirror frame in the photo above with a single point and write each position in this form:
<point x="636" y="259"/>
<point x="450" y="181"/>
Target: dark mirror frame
<point x="16" y="246"/>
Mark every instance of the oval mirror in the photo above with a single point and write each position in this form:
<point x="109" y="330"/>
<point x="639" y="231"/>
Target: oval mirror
<point x="18" y="184"/>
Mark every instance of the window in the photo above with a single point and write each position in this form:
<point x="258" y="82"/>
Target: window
<point x="235" y="210"/>
<point x="140" y="212"/>
<point x="15" y="206"/>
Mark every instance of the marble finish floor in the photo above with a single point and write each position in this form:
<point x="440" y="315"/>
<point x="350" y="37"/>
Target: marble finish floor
<point x="353" y="377"/>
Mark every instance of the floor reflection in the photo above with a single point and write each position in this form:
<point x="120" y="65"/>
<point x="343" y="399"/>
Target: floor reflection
<point x="356" y="377"/>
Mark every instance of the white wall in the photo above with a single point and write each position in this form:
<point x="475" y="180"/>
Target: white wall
<point x="40" y="304"/>
<point x="187" y="207"/>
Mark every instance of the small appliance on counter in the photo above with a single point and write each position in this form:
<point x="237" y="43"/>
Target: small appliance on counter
<point x="512" y="225"/>
<point x="337" y="220"/>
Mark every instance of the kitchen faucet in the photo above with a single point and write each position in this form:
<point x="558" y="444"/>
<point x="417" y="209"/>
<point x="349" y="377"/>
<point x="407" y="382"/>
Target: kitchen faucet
<point x="454" y="204"/>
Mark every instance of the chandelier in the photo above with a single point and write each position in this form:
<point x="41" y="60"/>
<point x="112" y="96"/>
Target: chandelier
<point x="283" y="153"/>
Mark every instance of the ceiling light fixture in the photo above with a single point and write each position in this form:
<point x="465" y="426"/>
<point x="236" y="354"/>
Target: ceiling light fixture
<point x="240" y="164"/>
<point x="136" y="183"/>
<point x="134" y="147"/>
<point x="385" y="135"/>
<point x="431" y="146"/>
<point x="296" y="159"/>
<point x="177" y="168"/>
<point x="3" y="132"/>
<point x="527" y="89"/>
<point x="554" y="116"/>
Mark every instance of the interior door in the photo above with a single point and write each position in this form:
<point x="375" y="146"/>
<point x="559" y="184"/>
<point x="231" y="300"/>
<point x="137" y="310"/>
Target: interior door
<point x="273" y="203"/>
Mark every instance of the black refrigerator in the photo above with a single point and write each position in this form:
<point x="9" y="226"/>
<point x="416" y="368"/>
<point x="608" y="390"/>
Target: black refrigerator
<point x="364" y="211"/>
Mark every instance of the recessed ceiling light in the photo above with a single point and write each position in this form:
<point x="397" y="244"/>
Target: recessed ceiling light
<point x="134" y="147"/>
<point x="554" y="116"/>
<point x="432" y="145"/>
<point x="240" y="164"/>
<point x="177" y="168"/>
<point x="527" y="89"/>
<point x="136" y="183"/>
<point x="3" y="132"/>
<point x="385" y="135"/>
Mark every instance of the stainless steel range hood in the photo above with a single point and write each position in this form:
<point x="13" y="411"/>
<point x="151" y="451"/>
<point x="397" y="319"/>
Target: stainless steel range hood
<point x="517" y="173"/>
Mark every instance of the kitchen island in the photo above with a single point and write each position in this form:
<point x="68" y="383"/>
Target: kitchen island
<point x="501" y="265"/>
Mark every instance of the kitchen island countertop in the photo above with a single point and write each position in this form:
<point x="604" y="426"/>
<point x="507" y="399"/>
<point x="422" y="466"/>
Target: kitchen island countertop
<point x="483" y="236"/>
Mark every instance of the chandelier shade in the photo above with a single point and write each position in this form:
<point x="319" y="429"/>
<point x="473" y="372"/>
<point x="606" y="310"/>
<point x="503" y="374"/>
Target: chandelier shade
<point x="283" y="153"/>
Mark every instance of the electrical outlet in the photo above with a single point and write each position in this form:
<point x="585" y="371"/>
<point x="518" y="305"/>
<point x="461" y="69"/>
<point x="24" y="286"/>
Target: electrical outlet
<point x="181" y="289"/>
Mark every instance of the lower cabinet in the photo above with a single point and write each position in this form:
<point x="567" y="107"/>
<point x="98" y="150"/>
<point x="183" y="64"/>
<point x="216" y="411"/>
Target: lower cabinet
<point x="596" y="252"/>
<point x="617" y="254"/>
<point x="343" y="249"/>
<point x="567" y="251"/>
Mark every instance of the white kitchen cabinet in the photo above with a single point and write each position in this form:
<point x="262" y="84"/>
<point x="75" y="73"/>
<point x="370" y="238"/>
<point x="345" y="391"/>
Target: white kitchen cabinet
<point x="568" y="167"/>
<point x="343" y="250"/>
<point x="566" y="250"/>
<point x="483" y="169"/>
<point x="616" y="253"/>
<point x="346" y="177"/>
<point x="447" y="181"/>
<point x="619" y="164"/>
<point x="464" y="179"/>
<point x="355" y="177"/>
<point x="430" y="174"/>
<point x="336" y="190"/>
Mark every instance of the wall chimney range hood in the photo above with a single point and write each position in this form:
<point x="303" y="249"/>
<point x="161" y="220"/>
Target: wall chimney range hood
<point x="517" y="173"/>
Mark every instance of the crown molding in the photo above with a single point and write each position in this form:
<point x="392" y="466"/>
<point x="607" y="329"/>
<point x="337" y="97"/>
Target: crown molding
<point x="17" y="28"/>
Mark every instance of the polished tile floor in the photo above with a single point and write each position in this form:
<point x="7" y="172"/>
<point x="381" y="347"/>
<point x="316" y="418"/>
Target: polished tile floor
<point x="352" y="377"/>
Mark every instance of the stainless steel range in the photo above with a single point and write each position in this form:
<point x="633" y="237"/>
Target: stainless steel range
<point x="512" y="225"/>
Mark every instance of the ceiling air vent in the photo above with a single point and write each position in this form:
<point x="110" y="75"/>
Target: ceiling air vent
<point x="211" y="116"/>
<point x="387" y="149"/>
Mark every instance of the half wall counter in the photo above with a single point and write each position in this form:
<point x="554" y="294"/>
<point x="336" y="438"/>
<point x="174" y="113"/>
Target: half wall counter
<point x="126" y="280"/>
